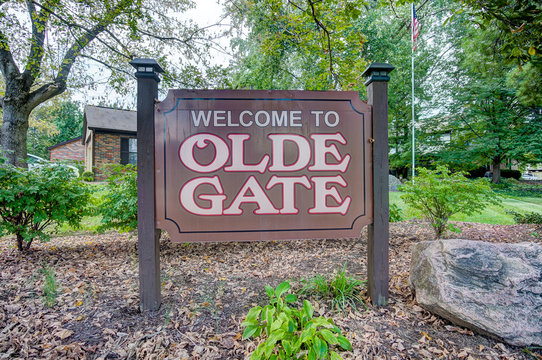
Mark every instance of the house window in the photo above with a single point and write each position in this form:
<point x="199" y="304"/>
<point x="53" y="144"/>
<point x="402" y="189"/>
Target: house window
<point x="128" y="151"/>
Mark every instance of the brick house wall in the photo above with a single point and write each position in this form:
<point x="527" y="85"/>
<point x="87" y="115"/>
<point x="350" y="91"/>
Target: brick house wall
<point x="70" y="150"/>
<point x="106" y="151"/>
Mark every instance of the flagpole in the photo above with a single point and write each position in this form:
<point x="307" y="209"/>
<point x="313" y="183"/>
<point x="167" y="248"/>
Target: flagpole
<point x="413" y="114"/>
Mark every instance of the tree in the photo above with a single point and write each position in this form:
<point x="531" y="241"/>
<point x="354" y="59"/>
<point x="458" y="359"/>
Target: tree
<point x="54" y="122"/>
<point x="302" y="44"/>
<point x="490" y="124"/>
<point x="518" y="25"/>
<point x="43" y="43"/>
<point x="294" y="51"/>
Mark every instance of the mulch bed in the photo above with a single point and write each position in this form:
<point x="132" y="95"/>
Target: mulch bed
<point x="208" y="288"/>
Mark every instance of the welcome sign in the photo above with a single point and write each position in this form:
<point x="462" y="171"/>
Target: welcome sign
<point x="262" y="165"/>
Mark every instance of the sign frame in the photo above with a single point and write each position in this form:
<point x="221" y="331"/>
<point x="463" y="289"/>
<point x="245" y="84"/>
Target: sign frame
<point x="148" y="234"/>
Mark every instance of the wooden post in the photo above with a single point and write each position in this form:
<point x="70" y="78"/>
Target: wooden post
<point x="378" y="232"/>
<point x="148" y="236"/>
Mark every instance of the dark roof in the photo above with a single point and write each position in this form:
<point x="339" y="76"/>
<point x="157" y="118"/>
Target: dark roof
<point x="104" y="118"/>
<point x="64" y="143"/>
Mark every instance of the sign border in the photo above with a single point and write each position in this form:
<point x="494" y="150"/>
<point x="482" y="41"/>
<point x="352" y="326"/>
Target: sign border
<point x="364" y="164"/>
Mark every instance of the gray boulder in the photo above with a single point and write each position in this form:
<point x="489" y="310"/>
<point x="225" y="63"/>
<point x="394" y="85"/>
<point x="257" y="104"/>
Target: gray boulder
<point x="394" y="183"/>
<point x="494" y="289"/>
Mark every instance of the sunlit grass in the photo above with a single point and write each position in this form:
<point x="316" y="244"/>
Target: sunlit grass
<point x="493" y="214"/>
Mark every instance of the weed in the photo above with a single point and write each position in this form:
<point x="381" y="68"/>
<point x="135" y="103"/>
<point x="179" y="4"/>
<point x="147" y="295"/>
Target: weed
<point x="533" y="351"/>
<point x="50" y="285"/>
<point x="341" y="290"/>
<point x="395" y="213"/>
<point x="167" y="315"/>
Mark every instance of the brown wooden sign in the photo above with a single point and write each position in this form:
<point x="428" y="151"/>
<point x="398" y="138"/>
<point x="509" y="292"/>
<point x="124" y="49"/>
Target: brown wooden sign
<point x="262" y="165"/>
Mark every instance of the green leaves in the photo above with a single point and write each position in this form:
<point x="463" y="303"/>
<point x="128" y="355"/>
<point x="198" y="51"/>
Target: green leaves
<point x="289" y="333"/>
<point x="118" y="207"/>
<point x="438" y="194"/>
<point x="31" y="201"/>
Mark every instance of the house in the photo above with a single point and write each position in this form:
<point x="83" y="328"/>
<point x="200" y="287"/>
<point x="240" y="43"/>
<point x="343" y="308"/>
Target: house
<point x="109" y="137"/>
<point x="68" y="150"/>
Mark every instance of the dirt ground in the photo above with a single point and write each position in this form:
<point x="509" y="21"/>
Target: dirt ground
<point x="208" y="288"/>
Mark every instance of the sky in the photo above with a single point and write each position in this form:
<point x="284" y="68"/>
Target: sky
<point x="207" y="12"/>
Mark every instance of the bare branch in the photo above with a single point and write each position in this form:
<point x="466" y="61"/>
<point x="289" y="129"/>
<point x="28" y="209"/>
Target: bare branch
<point x="328" y="36"/>
<point x="36" y="52"/>
<point x="106" y="64"/>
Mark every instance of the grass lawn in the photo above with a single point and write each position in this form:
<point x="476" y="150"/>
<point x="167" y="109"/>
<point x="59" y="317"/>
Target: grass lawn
<point x="493" y="214"/>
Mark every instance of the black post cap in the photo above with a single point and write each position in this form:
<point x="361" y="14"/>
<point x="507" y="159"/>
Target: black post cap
<point x="377" y="72"/>
<point x="147" y="68"/>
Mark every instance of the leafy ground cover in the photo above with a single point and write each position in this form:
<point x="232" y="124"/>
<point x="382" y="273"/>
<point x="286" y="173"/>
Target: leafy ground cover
<point x="207" y="291"/>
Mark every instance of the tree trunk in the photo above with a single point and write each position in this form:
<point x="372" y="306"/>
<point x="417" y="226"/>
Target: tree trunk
<point x="496" y="170"/>
<point x="13" y="135"/>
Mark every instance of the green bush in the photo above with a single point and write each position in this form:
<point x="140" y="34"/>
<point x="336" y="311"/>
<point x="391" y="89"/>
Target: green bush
<point x="510" y="174"/>
<point x="439" y="194"/>
<point x="341" y="290"/>
<point x="289" y="333"/>
<point x="118" y="207"/>
<point x="88" y="176"/>
<point x="30" y="201"/>
<point x="395" y="213"/>
<point x="527" y="218"/>
<point x="477" y="173"/>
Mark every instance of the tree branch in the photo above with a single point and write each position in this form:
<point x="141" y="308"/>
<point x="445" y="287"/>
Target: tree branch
<point x="7" y="63"/>
<point x="107" y="65"/>
<point x="82" y="41"/>
<point x="328" y="36"/>
<point x="36" y="52"/>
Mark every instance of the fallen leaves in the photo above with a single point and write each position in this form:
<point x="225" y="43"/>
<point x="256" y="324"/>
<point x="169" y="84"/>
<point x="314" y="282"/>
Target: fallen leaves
<point x="207" y="290"/>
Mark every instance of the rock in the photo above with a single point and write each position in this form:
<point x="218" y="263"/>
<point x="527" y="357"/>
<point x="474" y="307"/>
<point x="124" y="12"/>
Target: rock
<point x="394" y="183"/>
<point x="494" y="289"/>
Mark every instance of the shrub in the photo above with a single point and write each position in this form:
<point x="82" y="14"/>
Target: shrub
<point x="438" y="194"/>
<point x="510" y="174"/>
<point x="118" y="208"/>
<point x="88" y="176"/>
<point x="477" y="173"/>
<point x="527" y="218"/>
<point x="30" y="201"/>
<point x="341" y="290"/>
<point x="512" y="187"/>
<point x="289" y="333"/>
<point x="395" y="213"/>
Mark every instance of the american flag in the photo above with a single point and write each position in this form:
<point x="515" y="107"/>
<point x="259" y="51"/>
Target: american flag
<point x="414" y="26"/>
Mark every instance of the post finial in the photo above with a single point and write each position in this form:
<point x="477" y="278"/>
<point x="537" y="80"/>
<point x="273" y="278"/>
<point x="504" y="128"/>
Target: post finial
<point x="147" y="68"/>
<point x="377" y="72"/>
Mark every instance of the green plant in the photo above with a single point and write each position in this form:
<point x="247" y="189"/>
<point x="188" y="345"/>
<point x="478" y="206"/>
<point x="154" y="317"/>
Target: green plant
<point x="341" y="290"/>
<point x="527" y="218"/>
<point x="395" y="213"/>
<point x="50" y="286"/>
<point x="31" y="201"/>
<point x="118" y="207"/>
<point x="88" y="176"/>
<point x="513" y="174"/>
<point x="438" y="194"/>
<point x="290" y="333"/>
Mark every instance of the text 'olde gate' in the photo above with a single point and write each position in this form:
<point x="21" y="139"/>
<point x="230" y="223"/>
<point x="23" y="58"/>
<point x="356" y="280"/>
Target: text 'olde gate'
<point x="251" y="165"/>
